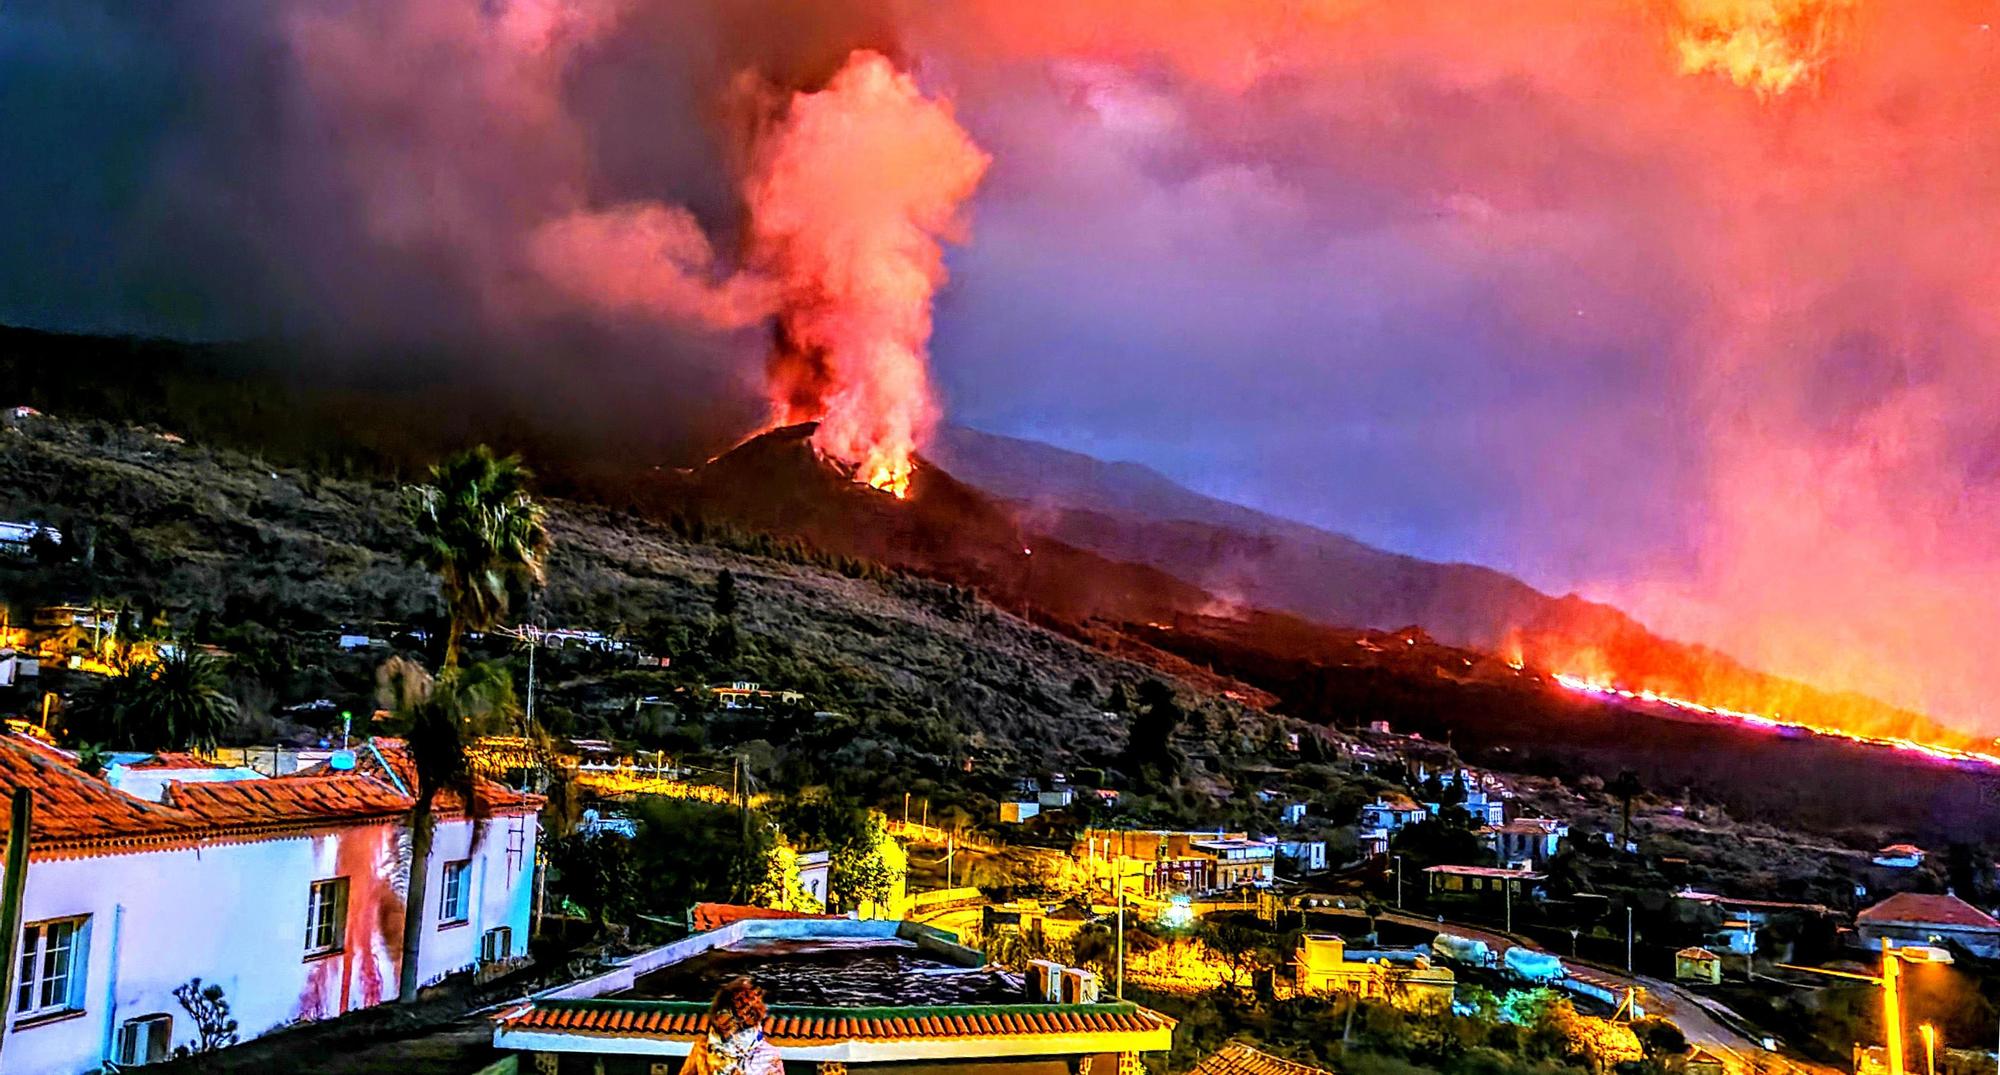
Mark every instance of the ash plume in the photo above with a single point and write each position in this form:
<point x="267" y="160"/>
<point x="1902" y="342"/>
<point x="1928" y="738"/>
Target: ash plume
<point x="1682" y="304"/>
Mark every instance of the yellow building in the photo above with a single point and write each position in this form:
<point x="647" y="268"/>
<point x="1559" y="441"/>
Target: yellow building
<point x="1698" y="965"/>
<point x="1326" y="965"/>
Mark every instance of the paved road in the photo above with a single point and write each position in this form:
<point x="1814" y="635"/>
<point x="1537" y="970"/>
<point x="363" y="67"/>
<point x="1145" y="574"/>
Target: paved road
<point x="1707" y="1023"/>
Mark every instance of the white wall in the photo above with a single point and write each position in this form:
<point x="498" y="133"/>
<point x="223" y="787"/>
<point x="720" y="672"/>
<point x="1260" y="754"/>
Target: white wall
<point x="235" y="915"/>
<point x="500" y="892"/>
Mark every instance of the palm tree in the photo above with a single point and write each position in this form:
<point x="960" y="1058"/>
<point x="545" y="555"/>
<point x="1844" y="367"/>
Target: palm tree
<point x="483" y="537"/>
<point x="438" y="714"/>
<point x="1625" y="788"/>
<point x="178" y="702"/>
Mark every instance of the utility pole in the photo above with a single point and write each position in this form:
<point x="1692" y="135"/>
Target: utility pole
<point x="1119" y="880"/>
<point x="1399" y="882"/>
<point x="1507" y="889"/>
<point x="1628" y="940"/>
<point x="19" y="828"/>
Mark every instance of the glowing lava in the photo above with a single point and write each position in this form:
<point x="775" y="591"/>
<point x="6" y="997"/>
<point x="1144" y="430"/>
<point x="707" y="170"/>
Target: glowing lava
<point x="1774" y="721"/>
<point x="853" y="195"/>
<point x="1766" y="46"/>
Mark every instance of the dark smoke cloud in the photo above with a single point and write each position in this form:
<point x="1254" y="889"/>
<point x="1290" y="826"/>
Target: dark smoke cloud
<point x="1689" y="304"/>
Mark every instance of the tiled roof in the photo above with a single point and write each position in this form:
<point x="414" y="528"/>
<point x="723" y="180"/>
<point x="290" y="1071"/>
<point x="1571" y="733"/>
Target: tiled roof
<point x="817" y="1026"/>
<point x="247" y="802"/>
<point x="707" y="916"/>
<point x="172" y="760"/>
<point x="1918" y="909"/>
<point x="72" y="809"/>
<point x="1237" y="1058"/>
<point x="388" y="761"/>
<point x="77" y="815"/>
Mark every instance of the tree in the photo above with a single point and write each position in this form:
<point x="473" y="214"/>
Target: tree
<point x="1625" y="788"/>
<point x="482" y="536"/>
<point x="1082" y="688"/>
<point x="1149" y="751"/>
<point x="209" y="1011"/>
<point x="178" y="702"/>
<point x="437" y="714"/>
<point x="864" y="863"/>
<point x="1117" y="701"/>
<point x="595" y="871"/>
<point x="1660" y="1038"/>
<point x="689" y="852"/>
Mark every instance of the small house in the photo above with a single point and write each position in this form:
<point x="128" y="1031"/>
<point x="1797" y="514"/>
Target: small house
<point x="1014" y="813"/>
<point x="1324" y="964"/>
<point x="1305" y="856"/>
<point x="1916" y="918"/>
<point x="1698" y="965"/>
<point x="1391" y="813"/>
<point x="1900" y="857"/>
<point x="1237" y="1058"/>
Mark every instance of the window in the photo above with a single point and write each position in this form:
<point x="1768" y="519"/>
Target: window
<point x="51" y="967"/>
<point x="452" y="906"/>
<point x="497" y="944"/>
<point x="145" y="1040"/>
<point x="326" y="916"/>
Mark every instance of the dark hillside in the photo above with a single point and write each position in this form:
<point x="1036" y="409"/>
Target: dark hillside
<point x="268" y="561"/>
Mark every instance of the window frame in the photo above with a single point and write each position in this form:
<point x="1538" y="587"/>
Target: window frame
<point x="486" y="944"/>
<point x="121" y="1043"/>
<point x="33" y="980"/>
<point x="332" y="922"/>
<point x="455" y="888"/>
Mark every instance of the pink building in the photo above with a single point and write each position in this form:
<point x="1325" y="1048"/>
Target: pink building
<point x="288" y="892"/>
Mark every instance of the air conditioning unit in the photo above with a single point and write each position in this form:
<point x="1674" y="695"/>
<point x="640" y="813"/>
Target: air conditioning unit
<point x="1045" y="981"/>
<point x="1080" y="986"/>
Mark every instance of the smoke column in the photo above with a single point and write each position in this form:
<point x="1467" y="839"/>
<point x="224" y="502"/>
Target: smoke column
<point x="853" y="192"/>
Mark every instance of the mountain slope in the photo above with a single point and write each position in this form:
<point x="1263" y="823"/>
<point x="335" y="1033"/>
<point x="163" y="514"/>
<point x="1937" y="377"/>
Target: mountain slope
<point x="1251" y="559"/>
<point x="267" y="562"/>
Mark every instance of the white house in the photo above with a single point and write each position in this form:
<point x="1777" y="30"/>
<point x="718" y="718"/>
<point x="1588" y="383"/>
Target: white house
<point x="149" y="777"/>
<point x="814" y="869"/>
<point x="1391" y="813"/>
<point x="1293" y="814"/>
<point x="1900" y="857"/>
<point x="18" y="538"/>
<point x="1533" y="840"/>
<point x="1015" y="812"/>
<point x="1306" y="856"/>
<point x="287" y="892"/>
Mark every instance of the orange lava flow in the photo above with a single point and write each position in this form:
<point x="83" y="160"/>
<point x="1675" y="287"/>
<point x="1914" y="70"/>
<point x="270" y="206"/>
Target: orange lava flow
<point x="1775" y="721"/>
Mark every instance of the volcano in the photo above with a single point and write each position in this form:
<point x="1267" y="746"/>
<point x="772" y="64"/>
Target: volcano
<point x="776" y="482"/>
<point x="1121" y="554"/>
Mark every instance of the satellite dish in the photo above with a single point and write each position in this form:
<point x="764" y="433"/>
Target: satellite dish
<point x="341" y="760"/>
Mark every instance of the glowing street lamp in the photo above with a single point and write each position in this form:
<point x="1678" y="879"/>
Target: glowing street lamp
<point x="1893" y="959"/>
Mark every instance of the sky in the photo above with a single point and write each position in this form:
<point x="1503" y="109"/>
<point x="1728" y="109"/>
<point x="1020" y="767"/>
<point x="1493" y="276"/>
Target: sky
<point x="1687" y="305"/>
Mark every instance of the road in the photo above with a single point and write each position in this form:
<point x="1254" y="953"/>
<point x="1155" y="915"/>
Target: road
<point x="1707" y="1023"/>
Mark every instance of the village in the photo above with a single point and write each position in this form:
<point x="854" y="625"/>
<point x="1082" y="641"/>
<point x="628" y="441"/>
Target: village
<point x="150" y="890"/>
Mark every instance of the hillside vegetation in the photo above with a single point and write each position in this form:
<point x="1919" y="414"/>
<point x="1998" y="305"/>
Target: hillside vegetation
<point x="906" y="679"/>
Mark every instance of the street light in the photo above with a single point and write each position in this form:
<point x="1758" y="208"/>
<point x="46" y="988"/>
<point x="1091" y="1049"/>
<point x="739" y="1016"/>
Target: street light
<point x="1893" y="959"/>
<point x="1399" y="882"/>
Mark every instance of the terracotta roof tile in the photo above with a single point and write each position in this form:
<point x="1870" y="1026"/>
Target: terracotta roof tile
<point x="670" y="1019"/>
<point x="1913" y="908"/>
<point x="290" y="797"/>
<point x="707" y="916"/>
<point x="388" y="760"/>
<point x="1237" y="1058"/>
